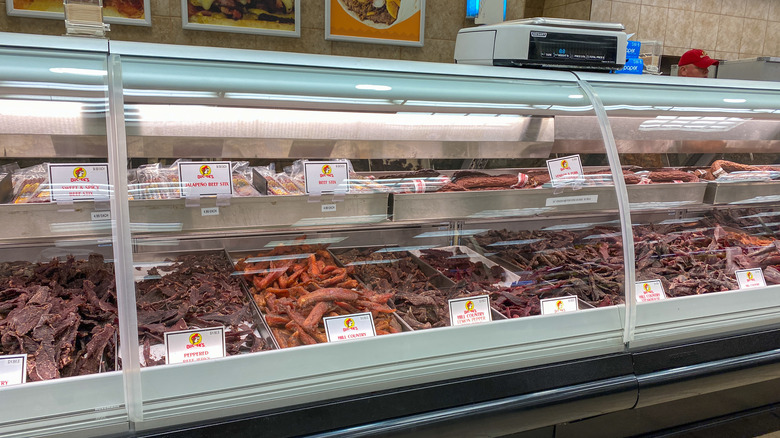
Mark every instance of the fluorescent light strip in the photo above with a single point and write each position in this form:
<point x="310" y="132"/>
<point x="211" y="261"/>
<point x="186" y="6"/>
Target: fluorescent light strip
<point x="405" y="248"/>
<point x="450" y="233"/>
<point x="299" y="242"/>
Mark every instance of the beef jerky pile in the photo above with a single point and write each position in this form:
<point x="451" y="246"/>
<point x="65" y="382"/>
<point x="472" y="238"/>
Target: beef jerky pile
<point x="197" y="291"/>
<point x="62" y="314"/>
<point x="702" y="256"/>
<point x="467" y="274"/>
<point x="559" y="263"/>
<point x="296" y="287"/>
<point x="417" y="300"/>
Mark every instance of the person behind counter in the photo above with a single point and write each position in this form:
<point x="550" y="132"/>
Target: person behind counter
<point x="695" y="64"/>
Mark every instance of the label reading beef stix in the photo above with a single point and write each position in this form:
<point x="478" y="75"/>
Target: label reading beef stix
<point x="651" y="290"/>
<point x="13" y="369"/>
<point x="194" y="345"/>
<point x="326" y="176"/>
<point x="748" y="278"/>
<point x="470" y="310"/>
<point x="348" y="327"/>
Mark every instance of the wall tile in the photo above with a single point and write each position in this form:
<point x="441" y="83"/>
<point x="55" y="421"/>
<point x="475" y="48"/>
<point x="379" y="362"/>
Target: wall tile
<point x="729" y="33"/>
<point x="772" y="40"/>
<point x="174" y="9"/>
<point x="160" y="8"/>
<point x="433" y="50"/>
<point x="627" y="14"/>
<point x="663" y="3"/>
<point x="679" y="28"/>
<point x="675" y="51"/>
<point x="636" y="2"/>
<point x="579" y="10"/>
<point x="549" y="4"/>
<point x="753" y="34"/>
<point x="757" y="8"/>
<point x="728" y="56"/>
<point x="313" y="14"/>
<point x="686" y="5"/>
<point x="443" y="18"/>
<point x="774" y="11"/>
<point x="601" y="10"/>
<point x="705" y="33"/>
<point x="652" y="23"/>
<point x="709" y="6"/>
<point x="365" y="50"/>
<point x="555" y="12"/>
<point x="732" y="7"/>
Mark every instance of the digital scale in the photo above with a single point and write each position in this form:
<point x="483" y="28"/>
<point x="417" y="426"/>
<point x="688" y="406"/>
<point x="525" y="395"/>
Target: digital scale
<point x="545" y="43"/>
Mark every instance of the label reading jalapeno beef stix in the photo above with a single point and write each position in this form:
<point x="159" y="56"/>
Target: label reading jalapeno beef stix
<point x="205" y="178"/>
<point x="348" y="327"/>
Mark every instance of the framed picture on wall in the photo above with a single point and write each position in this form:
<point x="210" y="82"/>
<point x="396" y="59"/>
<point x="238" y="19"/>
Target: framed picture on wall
<point x="132" y="12"/>
<point x="264" y="17"/>
<point x="396" y="22"/>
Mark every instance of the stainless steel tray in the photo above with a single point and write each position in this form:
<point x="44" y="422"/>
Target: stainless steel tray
<point x="536" y="202"/>
<point x="742" y="192"/>
<point x="266" y="211"/>
<point x="143" y="261"/>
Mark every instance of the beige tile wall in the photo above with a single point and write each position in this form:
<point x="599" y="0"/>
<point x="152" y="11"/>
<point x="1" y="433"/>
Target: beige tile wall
<point x="726" y="29"/>
<point x="578" y="9"/>
<point x="443" y="19"/>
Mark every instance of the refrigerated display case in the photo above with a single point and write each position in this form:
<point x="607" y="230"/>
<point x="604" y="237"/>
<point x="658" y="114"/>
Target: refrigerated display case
<point x="496" y="188"/>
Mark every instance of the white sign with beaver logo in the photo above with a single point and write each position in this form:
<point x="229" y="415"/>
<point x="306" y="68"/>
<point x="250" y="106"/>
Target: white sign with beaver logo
<point x="79" y="182"/>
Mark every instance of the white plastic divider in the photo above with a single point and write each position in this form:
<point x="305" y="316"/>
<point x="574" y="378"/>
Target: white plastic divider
<point x="123" y="257"/>
<point x="624" y="210"/>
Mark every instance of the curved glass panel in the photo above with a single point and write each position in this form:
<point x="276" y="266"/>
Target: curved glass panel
<point x="707" y="246"/>
<point x="58" y="298"/>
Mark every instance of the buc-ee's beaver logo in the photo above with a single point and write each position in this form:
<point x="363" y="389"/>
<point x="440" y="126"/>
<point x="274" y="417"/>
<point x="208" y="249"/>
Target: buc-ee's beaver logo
<point x="349" y="323"/>
<point x="559" y="306"/>
<point x="647" y="288"/>
<point x="79" y="174"/>
<point x="564" y="165"/>
<point x="750" y="276"/>
<point x="469" y="306"/>
<point x="196" y="340"/>
<point x="326" y="171"/>
<point x="205" y="171"/>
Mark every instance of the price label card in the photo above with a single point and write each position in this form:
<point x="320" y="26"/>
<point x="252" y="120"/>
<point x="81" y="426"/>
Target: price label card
<point x="565" y="170"/>
<point x="205" y="178"/>
<point x="470" y="310"/>
<point x="651" y="290"/>
<point x="78" y="182"/>
<point x="13" y="369"/>
<point x="194" y="345"/>
<point x="559" y="305"/>
<point x="347" y="327"/>
<point x="209" y="211"/>
<point x="747" y="278"/>
<point x="326" y="176"/>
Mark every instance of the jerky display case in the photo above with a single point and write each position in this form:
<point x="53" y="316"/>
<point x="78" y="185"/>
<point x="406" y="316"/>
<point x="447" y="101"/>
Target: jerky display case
<point x="486" y="186"/>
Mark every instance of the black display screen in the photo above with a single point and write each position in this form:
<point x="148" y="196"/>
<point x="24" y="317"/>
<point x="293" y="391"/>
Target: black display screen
<point x="567" y="48"/>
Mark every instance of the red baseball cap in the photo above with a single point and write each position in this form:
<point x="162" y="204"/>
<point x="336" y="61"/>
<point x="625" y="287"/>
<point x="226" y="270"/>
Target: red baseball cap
<point x="698" y="58"/>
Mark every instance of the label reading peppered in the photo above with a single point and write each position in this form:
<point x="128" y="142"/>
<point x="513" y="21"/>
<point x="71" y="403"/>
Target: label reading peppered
<point x="559" y="305"/>
<point x="13" y="369"/>
<point x="205" y="178"/>
<point x="650" y="290"/>
<point x="348" y="327"/>
<point x="79" y="182"/>
<point x="470" y="310"/>
<point x="748" y="278"/>
<point x="565" y="170"/>
<point x="326" y="176"/>
<point x="194" y="345"/>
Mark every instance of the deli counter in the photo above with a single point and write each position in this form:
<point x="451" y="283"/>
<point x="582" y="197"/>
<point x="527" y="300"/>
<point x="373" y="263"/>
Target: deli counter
<point x="313" y="245"/>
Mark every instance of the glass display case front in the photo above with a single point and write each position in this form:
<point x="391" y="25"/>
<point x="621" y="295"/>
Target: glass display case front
<point x="196" y="234"/>
<point x="418" y="214"/>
